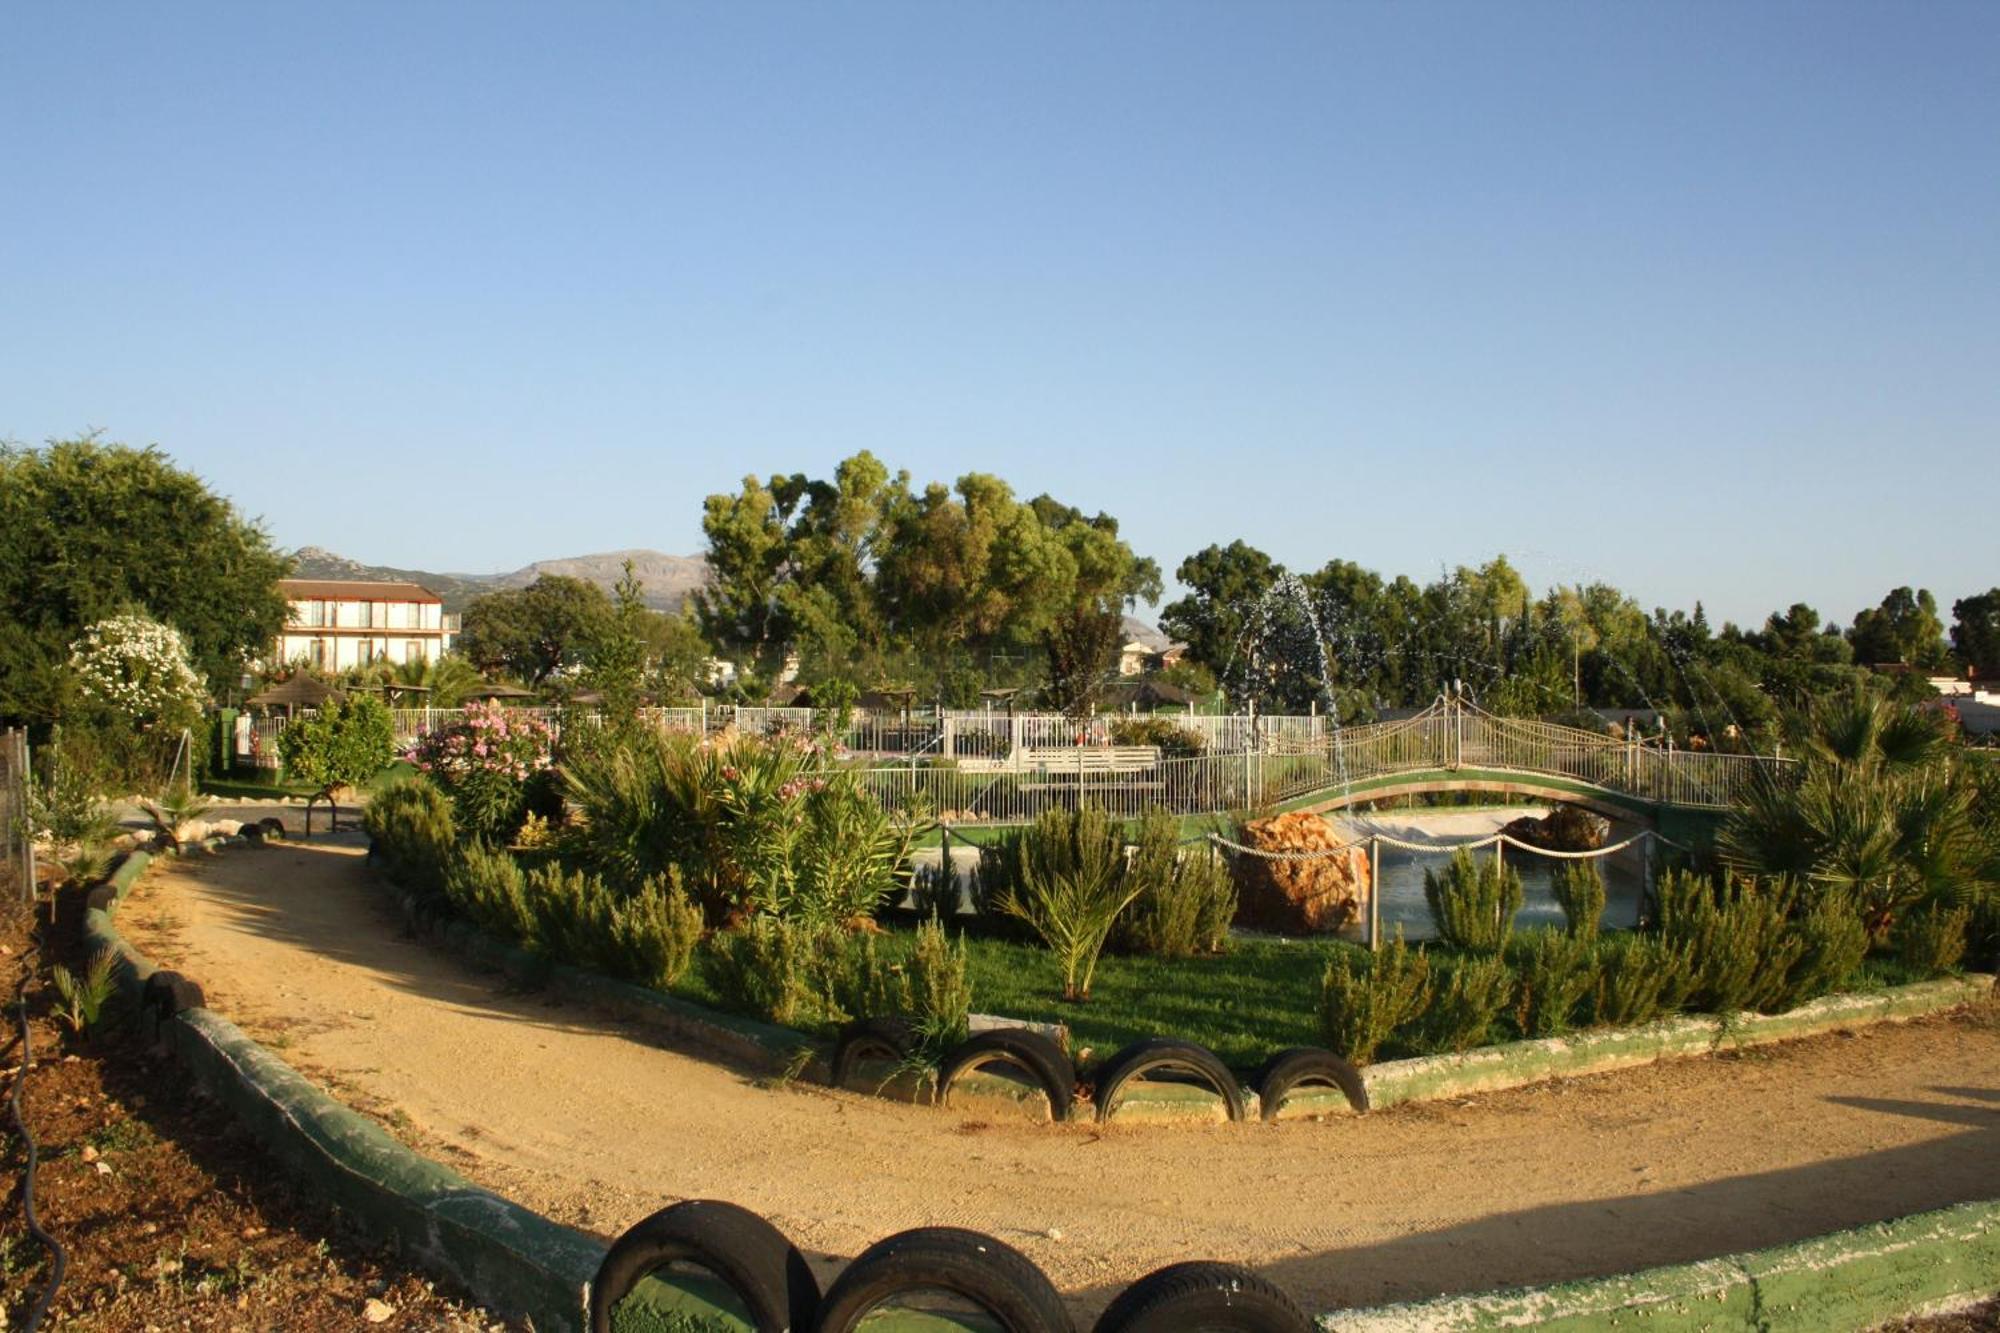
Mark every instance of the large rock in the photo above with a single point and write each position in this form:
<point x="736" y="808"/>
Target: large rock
<point x="1567" y="828"/>
<point x="1302" y="897"/>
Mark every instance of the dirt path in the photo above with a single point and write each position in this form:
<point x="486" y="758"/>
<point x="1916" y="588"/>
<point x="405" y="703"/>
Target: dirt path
<point x="590" y="1122"/>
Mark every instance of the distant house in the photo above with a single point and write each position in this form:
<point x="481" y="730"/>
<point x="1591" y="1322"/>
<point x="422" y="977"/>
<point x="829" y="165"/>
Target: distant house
<point x="340" y="623"/>
<point x="1134" y="658"/>
<point x="1137" y="659"/>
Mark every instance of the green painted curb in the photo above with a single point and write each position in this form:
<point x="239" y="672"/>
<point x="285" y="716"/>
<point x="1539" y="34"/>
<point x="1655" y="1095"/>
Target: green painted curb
<point x="513" y="1260"/>
<point x="1518" y="1063"/>
<point x="1847" y="1280"/>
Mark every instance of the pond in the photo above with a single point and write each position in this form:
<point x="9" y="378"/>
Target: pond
<point x="1402" y="887"/>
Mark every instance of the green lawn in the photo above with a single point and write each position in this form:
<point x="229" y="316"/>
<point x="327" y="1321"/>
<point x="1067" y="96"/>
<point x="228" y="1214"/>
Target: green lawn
<point x="1258" y="998"/>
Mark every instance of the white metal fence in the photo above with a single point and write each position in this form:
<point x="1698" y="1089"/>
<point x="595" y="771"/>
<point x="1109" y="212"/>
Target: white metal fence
<point x="945" y="733"/>
<point x="1007" y="768"/>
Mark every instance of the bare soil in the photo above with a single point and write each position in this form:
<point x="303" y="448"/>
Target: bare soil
<point x="170" y="1217"/>
<point x="595" y="1123"/>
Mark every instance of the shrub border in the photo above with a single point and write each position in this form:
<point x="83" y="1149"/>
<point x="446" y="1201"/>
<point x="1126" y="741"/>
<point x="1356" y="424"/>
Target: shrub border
<point x="519" y="1262"/>
<point x="1512" y="1064"/>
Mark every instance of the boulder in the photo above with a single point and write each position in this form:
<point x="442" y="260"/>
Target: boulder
<point x="1567" y="828"/>
<point x="1303" y="897"/>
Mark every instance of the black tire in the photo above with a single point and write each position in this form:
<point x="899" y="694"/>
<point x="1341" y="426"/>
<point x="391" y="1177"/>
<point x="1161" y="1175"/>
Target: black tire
<point x="870" y="1039"/>
<point x="1028" y="1050"/>
<point x="995" y="1276"/>
<point x="166" y="994"/>
<point x="765" y="1270"/>
<point x="1203" y="1297"/>
<point x="1307" y="1064"/>
<point x="1143" y="1057"/>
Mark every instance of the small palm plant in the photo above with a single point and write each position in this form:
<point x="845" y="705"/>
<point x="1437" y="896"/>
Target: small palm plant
<point x="82" y="999"/>
<point x="175" y="810"/>
<point x="1069" y="884"/>
<point x="1875" y="809"/>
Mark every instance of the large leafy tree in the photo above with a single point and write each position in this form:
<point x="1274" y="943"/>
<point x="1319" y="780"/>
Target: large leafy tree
<point x="1905" y="628"/>
<point x="89" y="529"/>
<point x="554" y="622"/>
<point x="1226" y="586"/>
<point x="1975" y="632"/>
<point x="861" y="577"/>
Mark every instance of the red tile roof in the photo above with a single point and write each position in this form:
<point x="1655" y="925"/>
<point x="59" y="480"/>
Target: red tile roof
<point x="356" y="590"/>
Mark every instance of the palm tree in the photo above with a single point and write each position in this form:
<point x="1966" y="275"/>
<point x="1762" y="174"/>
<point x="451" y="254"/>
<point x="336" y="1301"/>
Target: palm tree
<point x="1875" y="806"/>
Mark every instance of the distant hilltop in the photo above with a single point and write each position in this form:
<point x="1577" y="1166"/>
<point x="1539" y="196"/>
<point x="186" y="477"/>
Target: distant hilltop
<point x="668" y="579"/>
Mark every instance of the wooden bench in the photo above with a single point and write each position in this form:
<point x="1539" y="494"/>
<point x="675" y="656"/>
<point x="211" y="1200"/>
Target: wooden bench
<point x="1089" y="758"/>
<point x="1055" y="763"/>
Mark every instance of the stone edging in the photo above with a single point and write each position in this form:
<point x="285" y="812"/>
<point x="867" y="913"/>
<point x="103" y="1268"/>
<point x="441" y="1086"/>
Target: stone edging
<point x="511" y="1259"/>
<point x="519" y="1262"/>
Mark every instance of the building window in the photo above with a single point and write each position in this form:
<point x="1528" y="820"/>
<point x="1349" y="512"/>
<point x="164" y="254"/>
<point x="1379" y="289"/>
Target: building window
<point x="316" y="654"/>
<point x="413" y="650"/>
<point x="316" y="613"/>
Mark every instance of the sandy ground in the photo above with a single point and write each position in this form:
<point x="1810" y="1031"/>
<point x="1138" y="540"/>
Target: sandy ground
<point x="594" y="1123"/>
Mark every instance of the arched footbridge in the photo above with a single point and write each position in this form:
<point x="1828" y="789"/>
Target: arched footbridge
<point x="1452" y="746"/>
<point x="1455" y="746"/>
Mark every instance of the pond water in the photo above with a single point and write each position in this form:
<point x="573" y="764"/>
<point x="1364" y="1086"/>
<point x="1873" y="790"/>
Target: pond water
<point x="1403" y="871"/>
<point x="1402" y="886"/>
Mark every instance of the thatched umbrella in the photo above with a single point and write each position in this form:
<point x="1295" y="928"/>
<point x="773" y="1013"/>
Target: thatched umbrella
<point x="499" y="692"/>
<point x="301" y="691"/>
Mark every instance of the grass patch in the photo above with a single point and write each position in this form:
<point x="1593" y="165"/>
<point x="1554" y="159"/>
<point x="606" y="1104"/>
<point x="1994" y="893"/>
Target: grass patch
<point x="1243" y="1005"/>
<point x="1255" y="999"/>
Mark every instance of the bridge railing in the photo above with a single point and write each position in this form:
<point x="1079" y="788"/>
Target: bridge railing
<point x="1450" y="736"/>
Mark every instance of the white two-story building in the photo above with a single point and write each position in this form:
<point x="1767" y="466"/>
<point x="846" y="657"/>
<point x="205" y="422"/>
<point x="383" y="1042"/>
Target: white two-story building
<point x="340" y="623"/>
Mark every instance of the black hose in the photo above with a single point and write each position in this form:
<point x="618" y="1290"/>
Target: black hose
<point x="59" y="1259"/>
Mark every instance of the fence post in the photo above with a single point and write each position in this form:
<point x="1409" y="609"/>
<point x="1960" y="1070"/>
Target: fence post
<point x="1374" y="893"/>
<point x="1645" y="874"/>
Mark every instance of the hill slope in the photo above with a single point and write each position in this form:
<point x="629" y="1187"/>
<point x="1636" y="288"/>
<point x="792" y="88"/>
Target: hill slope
<point x="668" y="579"/>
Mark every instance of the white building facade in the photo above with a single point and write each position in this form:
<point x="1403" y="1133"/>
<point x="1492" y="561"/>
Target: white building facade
<point x="336" y="624"/>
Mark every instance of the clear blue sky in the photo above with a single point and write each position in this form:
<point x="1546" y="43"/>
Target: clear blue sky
<point x="1699" y="298"/>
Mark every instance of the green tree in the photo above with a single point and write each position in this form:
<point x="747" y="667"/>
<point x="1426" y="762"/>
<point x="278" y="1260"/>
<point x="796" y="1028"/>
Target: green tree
<point x="89" y="529"/>
<point x="1905" y="628"/>
<point x="618" y="658"/>
<point x="1225" y="585"/>
<point x="1975" y="632"/>
<point x="554" y="622"/>
<point x="341" y="745"/>
<point x="677" y="657"/>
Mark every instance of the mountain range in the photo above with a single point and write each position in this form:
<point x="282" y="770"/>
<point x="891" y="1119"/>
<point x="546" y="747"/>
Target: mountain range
<point x="668" y="579"/>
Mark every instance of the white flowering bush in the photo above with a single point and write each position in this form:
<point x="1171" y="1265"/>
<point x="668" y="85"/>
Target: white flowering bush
<point x="139" y="669"/>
